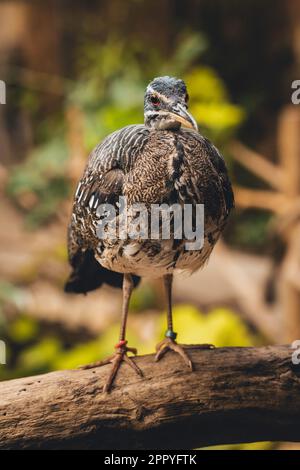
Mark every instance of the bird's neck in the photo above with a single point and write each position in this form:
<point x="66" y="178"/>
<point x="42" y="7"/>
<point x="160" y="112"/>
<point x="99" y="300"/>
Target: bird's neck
<point x="162" y="123"/>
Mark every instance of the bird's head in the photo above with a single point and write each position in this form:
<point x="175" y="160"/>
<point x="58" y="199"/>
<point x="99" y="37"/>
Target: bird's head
<point x="166" y="103"/>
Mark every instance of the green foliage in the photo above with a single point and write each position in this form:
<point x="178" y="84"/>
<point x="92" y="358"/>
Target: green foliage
<point x="93" y="350"/>
<point x="206" y="86"/>
<point x="42" y="177"/>
<point x="250" y="446"/>
<point x="143" y="298"/>
<point x="23" y="329"/>
<point x="9" y="293"/>
<point x="190" y="46"/>
<point x="250" y="229"/>
<point x="44" y="162"/>
<point x="36" y="350"/>
<point x="210" y="104"/>
<point x="39" y="357"/>
<point x="109" y="91"/>
<point x="221" y="327"/>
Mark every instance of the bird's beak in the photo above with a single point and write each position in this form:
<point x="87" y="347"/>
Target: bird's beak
<point x="182" y="115"/>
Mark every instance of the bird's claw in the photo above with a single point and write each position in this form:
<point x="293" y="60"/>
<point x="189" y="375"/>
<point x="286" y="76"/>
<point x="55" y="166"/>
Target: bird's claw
<point x="116" y="360"/>
<point x="132" y="350"/>
<point x="169" y="344"/>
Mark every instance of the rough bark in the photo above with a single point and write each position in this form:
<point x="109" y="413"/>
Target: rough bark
<point x="234" y="395"/>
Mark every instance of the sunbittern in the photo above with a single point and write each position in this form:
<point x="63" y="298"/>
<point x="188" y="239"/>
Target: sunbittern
<point x="168" y="161"/>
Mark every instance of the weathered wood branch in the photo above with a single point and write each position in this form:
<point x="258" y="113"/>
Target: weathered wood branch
<point x="234" y="395"/>
<point x="246" y="198"/>
<point x="256" y="163"/>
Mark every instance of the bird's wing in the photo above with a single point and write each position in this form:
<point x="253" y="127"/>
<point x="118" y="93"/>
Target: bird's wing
<point x="102" y="182"/>
<point x="103" y="177"/>
<point x="219" y="165"/>
<point x="206" y="176"/>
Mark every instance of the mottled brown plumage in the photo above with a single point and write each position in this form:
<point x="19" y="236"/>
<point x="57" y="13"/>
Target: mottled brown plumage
<point x="162" y="161"/>
<point x="164" y="167"/>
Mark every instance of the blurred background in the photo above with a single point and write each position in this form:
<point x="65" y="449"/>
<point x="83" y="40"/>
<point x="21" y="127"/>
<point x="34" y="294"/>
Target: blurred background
<point x="76" y="71"/>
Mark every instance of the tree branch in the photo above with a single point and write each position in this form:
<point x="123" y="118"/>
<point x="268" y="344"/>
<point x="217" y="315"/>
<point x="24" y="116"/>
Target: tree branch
<point x="234" y="395"/>
<point x="246" y="198"/>
<point x="258" y="164"/>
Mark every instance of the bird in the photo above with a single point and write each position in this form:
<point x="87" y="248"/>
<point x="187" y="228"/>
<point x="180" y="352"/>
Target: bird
<point x="165" y="160"/>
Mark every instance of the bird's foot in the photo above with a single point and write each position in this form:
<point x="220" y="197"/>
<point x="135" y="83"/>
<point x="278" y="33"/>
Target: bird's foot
<point x="116" y="361"/>
<point x="169" y="344"/>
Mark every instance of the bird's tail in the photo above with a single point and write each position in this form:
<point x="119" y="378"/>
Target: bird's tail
<point x="88" y="275"/>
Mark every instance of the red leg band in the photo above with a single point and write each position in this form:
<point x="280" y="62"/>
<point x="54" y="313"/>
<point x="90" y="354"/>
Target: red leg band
<point x="120" y="344"/>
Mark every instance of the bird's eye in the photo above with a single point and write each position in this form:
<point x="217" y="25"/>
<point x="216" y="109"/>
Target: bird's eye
<point x="154" y="100"/>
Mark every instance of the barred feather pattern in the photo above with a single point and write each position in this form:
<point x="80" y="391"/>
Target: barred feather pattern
<point x="151" y="167"/>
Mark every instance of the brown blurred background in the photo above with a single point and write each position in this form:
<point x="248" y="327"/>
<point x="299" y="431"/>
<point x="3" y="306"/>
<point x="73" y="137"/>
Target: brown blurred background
<point x="76" y="71"/>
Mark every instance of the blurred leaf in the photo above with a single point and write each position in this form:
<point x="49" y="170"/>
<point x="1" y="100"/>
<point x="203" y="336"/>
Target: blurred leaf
<point x="10" y="293"/>
<point x="221" y="327"/>
<point x="205" y="85"/>
<point x="47" y="161"/>
<point x="219" y="117"/>
<point x="85" y="94"/>
<point x="23" y="329"/>
<point x="92" y="351"/>
<point x="39" y="184"/>
<point x="249" y="230"/>
<point x="128" y="93"/>
<point x="210" y="104"/>
<point x="3" y="320"/>
<point x="50" y="198"/>
<point x="142" y="298"/>
<point x="40" y="356"/>
<point x="190" y="47"/>
<point x="109" y="92"/>
<point x="60" y="252"/>
<point x="79" y="355"/>
<point x="246" y="446"/>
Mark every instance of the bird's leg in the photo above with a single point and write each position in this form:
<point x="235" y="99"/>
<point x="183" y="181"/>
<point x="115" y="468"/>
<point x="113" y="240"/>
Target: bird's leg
<point x="121" y="347"/>
<point x="169" y="343"/>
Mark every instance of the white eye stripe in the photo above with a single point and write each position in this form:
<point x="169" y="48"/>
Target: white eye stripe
<point x="150" y="89"/>
<point x="153" y="113"/>
<point x="159" y="95"/>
